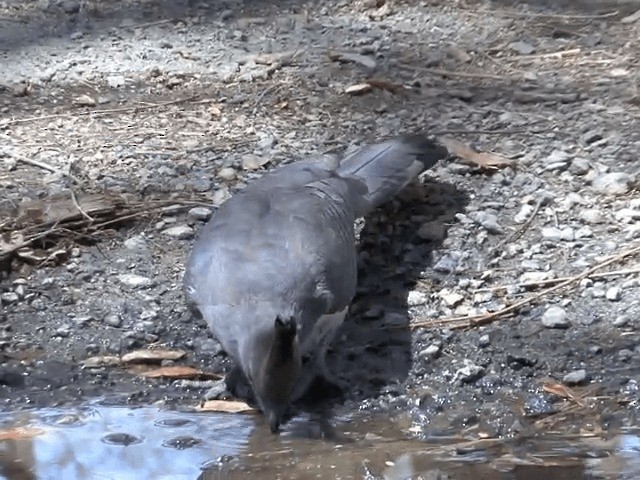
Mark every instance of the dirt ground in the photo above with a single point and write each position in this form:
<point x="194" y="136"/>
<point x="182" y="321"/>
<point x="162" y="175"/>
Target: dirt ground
<point x="123" y="125"/>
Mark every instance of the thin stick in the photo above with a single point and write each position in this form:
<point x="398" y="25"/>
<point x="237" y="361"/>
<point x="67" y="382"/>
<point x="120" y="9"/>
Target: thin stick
<point x="448" y="73"/>
<point x="483" y="319"/>
<point x="551" y="281"/>
<point x="506" y="131"/>
<point x="77" y="205"/>
<point x="511" y="13"/>
<point x="39" y="164"/>
<point x="98" y="112"/>
<point x="560" y="54"/>
<point x="521" y="228"/>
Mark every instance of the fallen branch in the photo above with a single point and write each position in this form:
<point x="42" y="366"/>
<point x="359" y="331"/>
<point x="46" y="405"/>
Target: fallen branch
<point x="110" y="111"/>
<point x="470" y="321"/>
<point x="39" y="164"/>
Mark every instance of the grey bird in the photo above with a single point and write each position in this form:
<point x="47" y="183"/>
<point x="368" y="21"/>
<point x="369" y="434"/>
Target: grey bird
<point x="275" y="269"/>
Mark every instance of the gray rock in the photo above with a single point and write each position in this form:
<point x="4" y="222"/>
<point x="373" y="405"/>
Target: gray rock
<point x="577" y="377"/>
<point x="580" y="166"/>
<point x="199" y="214"/>
<point x="217" y="391"/>
<point x="9" y="297"/>
<point x="627" y="214"/>
<point x="432" y="351"/>
<point x="137" y="242"/>
<point x="484" y="341"/>
<point x="447" y="264"/>
<point x="116" y="81"/>
<point x="487" y="220"/>
<point x="469" y="373"/>
<point x="555" y="317"/>
<point x="227" y="174"/>
<point x="415" y="298"/>
<point x="613" y="183"/>
<point x="552" y="233"/>
<point x="135" y="281"/>
<point x="584" y="232"/>
<point x="613" y="294"/>
<point x="592" y="216"/>
<point x="181" y="232"/>
<point x="522" y="47"/>
<point x="621" y="321"/>
<point x="113" y="320"/>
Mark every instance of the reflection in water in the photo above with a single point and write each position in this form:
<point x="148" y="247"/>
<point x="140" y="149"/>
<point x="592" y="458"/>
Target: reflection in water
<point x="146" y="443"/>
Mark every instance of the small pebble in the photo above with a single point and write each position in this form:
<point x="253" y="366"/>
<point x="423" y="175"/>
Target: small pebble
<point x="555" y="317"/>
<point x="181" y="232"/>
<point x="621" y="321"/>
<point x="577" y="377"/>
<point x="484" y="341"/>
<point x="469" y="373"/>
<point x="613" y="183"/>
<point x="113" y="320"/>
<point x="198" y="214"/>
<point x="488" y="221"/>
<point x="430" y="352"/>
<point x="416" y="298"/>
<point x="135" y="281"/>
<point x="9" y="297"/>
<point x="227" y="174"/>
<point x="613" y="294"/>
<point x="592" y="216"/>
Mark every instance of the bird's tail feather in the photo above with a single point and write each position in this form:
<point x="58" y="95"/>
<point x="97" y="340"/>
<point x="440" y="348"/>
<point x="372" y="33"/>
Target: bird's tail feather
<point x="387" y="167"/>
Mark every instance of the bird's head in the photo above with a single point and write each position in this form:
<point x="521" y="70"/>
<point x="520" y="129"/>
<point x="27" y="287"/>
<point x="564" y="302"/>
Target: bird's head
<point x="275" y="369"/>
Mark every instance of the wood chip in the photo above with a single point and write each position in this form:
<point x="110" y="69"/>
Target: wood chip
<point x="375" y="83"/>
<point x="226" y="406"/>
<point x="152" y="356"/>
<point x="180" y="372"/>
<point x="470" y="156"/>
<point x="20" y="433"/>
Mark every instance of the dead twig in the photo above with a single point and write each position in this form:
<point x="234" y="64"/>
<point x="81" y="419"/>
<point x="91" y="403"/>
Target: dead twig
<point x="470" y="321"/>
<point x="551" y="281"/>
<point x="520" y="230"/>
<point x="449" y="73"/>
<point x="39" y="164"/>
<point x="77" y="205"/>
<point x="505" y="131"/>
<point x="514" y="14"/>
<point x="109" y="111"/>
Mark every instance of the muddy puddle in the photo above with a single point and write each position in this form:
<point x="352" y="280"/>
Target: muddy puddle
<point x="146" y="443"/>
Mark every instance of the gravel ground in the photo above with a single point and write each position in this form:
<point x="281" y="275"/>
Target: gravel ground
<point x="167" y="108"/>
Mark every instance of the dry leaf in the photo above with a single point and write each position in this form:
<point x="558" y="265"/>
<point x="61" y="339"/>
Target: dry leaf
<point x="282" y="105"/>
<point x="469" y="155"/>
<point x="226" y="406"/>
<point x="180" y="372"/>
<point x="561" y="391"/>
<point x="20" y="433"/>
<point x="101" y="361"/>
<point x="152" y="356"/>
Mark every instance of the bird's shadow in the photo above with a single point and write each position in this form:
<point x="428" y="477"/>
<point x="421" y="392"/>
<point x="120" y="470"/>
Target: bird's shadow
<point x="373" y="352"/>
